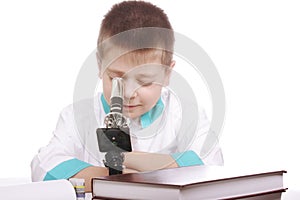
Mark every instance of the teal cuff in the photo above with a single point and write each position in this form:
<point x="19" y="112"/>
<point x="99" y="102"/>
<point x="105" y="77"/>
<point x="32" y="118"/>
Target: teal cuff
<point x="187" y="158"/>
<point x="66" y="169"/>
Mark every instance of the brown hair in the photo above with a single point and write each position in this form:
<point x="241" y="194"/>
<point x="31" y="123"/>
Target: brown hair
<point x="148" y="28"/>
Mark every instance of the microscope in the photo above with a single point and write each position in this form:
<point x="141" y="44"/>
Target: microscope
<point x="114" y="139"/>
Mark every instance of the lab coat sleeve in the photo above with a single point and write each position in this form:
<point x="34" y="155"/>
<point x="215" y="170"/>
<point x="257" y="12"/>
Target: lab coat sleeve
<point x="194" y="149"/>
<point x="62" y="157"/>
<point x="209" y="154"/>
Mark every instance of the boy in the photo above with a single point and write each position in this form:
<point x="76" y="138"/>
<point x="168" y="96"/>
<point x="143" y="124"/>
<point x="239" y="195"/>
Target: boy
<point x="128" y="47"/>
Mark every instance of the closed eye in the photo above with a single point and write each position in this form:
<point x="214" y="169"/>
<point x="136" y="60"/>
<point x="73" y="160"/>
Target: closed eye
<point x="145" y="82"/>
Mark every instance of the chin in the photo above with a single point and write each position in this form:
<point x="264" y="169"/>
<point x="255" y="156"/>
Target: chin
<point x="131" y="115"/>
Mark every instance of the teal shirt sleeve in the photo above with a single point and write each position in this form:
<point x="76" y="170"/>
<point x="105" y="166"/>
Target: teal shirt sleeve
<point x="187" y="158"/>
<point x="66" y="169"/>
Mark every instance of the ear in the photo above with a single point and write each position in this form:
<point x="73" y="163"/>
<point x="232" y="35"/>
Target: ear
<point x="168" y="72"/>
<point x="99" y="65"/>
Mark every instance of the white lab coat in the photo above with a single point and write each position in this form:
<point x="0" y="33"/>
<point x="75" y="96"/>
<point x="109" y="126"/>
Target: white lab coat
<point x="75" y="136"/>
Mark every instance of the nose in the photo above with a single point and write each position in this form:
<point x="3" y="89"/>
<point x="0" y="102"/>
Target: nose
<point x="130" y="89"/>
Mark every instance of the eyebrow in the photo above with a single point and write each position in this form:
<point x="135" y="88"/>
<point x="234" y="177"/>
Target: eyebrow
<point x="145" y="75"/>
<point x="115" y="71"/>
<point x="138" y="75"/>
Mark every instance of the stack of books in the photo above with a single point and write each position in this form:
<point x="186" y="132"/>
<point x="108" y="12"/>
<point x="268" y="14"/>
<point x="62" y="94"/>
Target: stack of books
<point x="194" y="182"/>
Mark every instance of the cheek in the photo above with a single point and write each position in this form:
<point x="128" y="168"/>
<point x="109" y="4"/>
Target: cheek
<point x="106" y="85"/>
<point x="150" y="94"/>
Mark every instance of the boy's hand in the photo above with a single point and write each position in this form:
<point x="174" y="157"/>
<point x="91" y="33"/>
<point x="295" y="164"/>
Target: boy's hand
<point x="141" y="161"/>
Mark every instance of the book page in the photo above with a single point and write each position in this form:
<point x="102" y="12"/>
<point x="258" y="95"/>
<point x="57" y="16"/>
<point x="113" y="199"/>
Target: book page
<point x="46" y="190"/>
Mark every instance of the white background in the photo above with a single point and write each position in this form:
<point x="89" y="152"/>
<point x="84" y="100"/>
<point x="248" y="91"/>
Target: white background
<point x="255" y="46"/>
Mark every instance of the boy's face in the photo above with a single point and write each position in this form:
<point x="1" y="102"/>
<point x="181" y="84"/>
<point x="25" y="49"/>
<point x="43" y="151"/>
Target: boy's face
<point x="142" y="84"/>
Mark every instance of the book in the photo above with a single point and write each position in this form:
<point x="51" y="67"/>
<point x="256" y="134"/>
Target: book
<point x="46" y="190"/>
<point x="194" y="182"/>
<point x="271" y="195"/>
